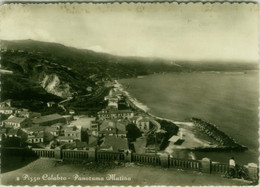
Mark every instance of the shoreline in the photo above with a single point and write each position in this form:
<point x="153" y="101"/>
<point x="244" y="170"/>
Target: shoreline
<point x="206" y="147"/>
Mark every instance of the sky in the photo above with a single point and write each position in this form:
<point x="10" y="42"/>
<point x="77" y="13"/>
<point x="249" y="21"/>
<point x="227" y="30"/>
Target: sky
<point x="189" y="32"/>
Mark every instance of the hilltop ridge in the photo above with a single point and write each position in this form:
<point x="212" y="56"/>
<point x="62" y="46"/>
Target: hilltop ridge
<point x="46" y="71"/>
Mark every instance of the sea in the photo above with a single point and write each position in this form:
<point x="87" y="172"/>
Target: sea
<point x="230" y="100"/>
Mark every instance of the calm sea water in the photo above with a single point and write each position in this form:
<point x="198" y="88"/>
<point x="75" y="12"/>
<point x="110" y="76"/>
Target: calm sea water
<point x="229" y="100"/>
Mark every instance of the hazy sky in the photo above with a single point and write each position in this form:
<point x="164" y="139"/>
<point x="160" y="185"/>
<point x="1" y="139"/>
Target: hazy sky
<point x="224" y="32"/>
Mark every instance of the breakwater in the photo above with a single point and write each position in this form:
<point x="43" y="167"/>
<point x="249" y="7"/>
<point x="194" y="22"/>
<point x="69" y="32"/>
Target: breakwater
<point x="226" y="142"/>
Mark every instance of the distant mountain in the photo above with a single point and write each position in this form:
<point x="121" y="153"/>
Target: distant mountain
<point x="88" y="62"/>
<point x="41" y="69"/>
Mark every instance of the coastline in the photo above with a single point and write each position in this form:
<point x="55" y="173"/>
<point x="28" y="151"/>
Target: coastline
<point x="183" y="127"/>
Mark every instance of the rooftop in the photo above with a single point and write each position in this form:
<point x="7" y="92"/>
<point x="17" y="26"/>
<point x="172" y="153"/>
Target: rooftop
<point x="7" y="108"/>
<point x="36" y="128"/>
<point x="71" y="129"/>
<point x="38" y="135"/>
<point x="15" y="120"/>
<point x="116" y="143"/>
<point x="13" y="131"/>
<point x="47" y="118"/>
<point x="111" y="111"/>
<point x="174" y="139"/>
<point x="117" y="126"/>
<point x="51" y="129"/>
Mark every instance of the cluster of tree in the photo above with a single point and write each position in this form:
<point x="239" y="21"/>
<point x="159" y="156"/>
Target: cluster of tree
<point x="160" y="139"/>
<point x="133" y="132"/>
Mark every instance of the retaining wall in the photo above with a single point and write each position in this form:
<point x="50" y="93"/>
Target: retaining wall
<point x="205" y="165"/>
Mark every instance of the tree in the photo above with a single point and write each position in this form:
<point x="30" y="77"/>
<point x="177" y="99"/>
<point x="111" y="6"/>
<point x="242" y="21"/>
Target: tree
<point x="133" y="132"/>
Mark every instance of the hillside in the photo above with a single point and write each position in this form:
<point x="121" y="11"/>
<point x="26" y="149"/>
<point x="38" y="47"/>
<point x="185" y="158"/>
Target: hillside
<point x="42" y="72"/>
<point x="88" y="62"/>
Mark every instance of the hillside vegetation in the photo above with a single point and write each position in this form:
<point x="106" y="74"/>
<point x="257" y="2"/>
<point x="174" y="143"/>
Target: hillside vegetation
<point x="42" y="72"/>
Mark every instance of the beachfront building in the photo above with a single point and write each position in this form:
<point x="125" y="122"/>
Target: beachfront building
<point x="112" y="102"/>
<point x="49" y="120"/>
<point x="142" y="122"/>
<point x="114" y="114"/>
<point x="16" y="122"/>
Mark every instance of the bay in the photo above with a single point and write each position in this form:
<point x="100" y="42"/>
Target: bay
<point x="227" y="99"/>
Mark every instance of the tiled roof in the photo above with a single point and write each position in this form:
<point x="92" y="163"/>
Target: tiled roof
<point x="51" y="129"/>
<point x="71" y="129"/>
<point x="47" y="118"/>
<point x="117" y="126"/>
<point x="116" y="143"/>
<point x="36" y="128"/>
<point x="12" y="132"/>
<point x="38" y="135"/>
<point x="15" y="120"/>
<point x="7" y="108"/>
<point x="57" y="125"/>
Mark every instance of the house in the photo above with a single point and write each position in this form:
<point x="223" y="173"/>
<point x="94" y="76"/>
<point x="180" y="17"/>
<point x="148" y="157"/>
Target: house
<point x="142" y="123"/>
<point x="36" y="129"/>
<point x="68" y="118"/>
<point x="12" y="133"/>
<point x="7" y="110"/>
<point x="113" y="114"/>
<point x="16" y="122"/>
<point x="94" y="126"/>
<point x="28" y="114"/>
<point x="112" y="128"/>
<point x="92" y="142"/>
<point x="112" y="143"/>
<point x="49" y="120"/>
<point x="112" y="102"/>
<point x="73" y="131"/>
<point x="54" y="129"/>
<point x="65" y="139"/>
<point x="36" y="138"/>
<point x="6" y="103"/>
